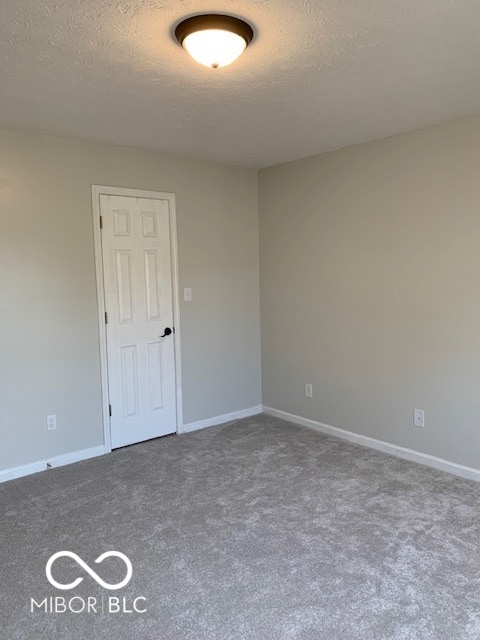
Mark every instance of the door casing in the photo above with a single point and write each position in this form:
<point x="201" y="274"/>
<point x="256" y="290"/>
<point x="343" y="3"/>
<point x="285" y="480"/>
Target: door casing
<point x="97" y="191"/>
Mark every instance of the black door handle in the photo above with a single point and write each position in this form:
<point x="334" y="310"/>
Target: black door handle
<point x="166" y="333"/>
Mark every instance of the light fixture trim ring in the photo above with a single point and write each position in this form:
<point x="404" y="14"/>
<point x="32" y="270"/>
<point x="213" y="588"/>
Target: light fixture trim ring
<point x="214" y="21"/>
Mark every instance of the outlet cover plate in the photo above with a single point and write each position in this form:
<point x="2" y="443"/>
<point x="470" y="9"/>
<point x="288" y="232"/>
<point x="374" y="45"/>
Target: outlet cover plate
<point x="418" y="418"/>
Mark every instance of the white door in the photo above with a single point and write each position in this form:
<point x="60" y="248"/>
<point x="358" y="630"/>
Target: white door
<point x="138" y="289"/>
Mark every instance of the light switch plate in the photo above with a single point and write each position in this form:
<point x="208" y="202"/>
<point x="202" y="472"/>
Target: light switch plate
<point x="187" y="294"/>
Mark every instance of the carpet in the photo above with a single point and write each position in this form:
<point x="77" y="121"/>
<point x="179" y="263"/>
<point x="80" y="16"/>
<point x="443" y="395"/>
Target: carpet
<point x="253" y="530"/>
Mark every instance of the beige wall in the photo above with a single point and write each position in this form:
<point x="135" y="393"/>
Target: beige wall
<point x="370" y="288"/>
<point x="49" y="338"/>
<point x="370" y="281"/>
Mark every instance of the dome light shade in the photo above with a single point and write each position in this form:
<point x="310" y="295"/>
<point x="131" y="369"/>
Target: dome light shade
<point x="214" y="40"/>
<point x="214" y="47"/>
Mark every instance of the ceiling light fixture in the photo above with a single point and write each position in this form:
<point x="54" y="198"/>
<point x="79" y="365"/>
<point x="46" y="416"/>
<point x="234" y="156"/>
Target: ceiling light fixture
<point x="214" y="40"/>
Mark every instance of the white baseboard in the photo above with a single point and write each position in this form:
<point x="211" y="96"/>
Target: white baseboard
<point x="56" y="461"/>
<point x="85" y="454"/>
<point x="401" y="452"/>
<point x="226" y="417"/>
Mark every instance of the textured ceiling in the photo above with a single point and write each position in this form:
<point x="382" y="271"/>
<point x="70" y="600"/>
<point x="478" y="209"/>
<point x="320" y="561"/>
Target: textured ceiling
<point x="319" y="75"/>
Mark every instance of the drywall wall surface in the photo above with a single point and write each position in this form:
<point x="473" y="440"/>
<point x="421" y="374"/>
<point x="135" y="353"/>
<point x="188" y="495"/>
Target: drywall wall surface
<point x="370" y="288"/>
<point x="49" y="330"/>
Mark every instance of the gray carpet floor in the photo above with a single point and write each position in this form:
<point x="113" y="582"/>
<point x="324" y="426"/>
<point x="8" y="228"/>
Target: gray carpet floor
<point x="257" y="530"/>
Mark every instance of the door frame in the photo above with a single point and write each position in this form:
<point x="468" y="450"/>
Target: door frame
<point x="97" y="191"/>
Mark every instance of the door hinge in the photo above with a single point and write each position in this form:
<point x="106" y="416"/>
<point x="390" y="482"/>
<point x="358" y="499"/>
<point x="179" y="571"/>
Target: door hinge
<point x="101" y="222"/>
<point x="110" y="410"/>
<point x="106" y="317"/>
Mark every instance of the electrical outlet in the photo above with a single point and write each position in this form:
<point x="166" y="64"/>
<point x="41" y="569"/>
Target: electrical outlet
<point x="418" y="418"/>
<point x="308" y="390"/>
<point x="51" y="422"/>
<point x="187" y="294"/>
